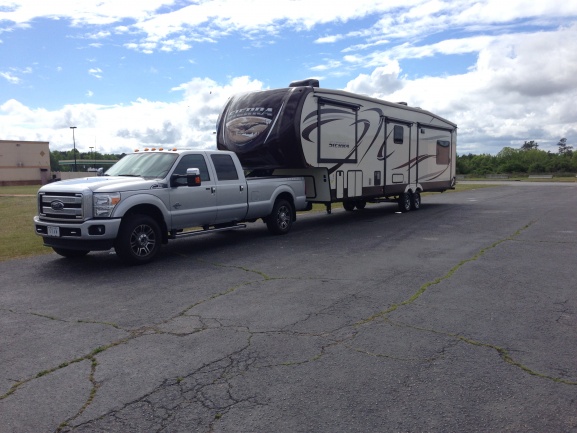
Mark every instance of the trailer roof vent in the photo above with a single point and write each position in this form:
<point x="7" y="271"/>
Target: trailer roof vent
<point x="403" y="103"/>
<point x="308" y="82"/>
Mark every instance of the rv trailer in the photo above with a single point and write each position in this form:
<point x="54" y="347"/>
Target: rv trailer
<point x="350" y="148"/>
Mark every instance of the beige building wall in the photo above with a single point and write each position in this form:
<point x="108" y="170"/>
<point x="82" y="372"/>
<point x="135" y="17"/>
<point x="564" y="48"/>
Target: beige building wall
<point x="24" y="162"/>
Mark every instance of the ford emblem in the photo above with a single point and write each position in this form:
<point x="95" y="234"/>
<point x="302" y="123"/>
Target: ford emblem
<point x="56" y="205"/>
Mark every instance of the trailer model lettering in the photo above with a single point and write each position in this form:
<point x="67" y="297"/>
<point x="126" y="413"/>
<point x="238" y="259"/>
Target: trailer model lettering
<point x="340" y="145"/>
<point x="251" y="111"/>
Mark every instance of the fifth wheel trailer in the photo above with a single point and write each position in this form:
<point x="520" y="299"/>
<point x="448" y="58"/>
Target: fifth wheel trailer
<point x="350" y="148"/>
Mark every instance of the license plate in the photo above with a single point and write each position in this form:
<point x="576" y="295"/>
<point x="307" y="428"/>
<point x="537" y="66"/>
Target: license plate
<point x="53" y="231"/>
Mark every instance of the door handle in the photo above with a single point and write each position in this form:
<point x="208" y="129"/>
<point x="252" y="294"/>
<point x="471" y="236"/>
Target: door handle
<point x="241" y="188"/>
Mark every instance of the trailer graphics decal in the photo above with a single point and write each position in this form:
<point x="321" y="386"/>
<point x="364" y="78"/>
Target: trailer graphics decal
<point x="243" y="130"/>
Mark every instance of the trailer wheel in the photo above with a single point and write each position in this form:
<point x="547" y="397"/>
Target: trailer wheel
<point x="360" y="204"/>
<point x="349" y="205"/>
<point x="138" y="240"/>
<point x="71" y="254"/>
<point x="280" y="221"/>
<point x="405" y="202"/>
<point x="416" y="201"/>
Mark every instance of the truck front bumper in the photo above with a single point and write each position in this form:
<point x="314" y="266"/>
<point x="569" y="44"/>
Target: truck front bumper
<point x="91" y="235"/>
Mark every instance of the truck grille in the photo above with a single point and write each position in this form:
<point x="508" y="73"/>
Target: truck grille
<point x="60" y="206"/>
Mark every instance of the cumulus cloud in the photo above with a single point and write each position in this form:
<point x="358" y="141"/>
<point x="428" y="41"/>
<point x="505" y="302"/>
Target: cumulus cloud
<point x="519" y="84"/>
<point x="188" y="122"/>
<point x="383" y="81"/>
<point x="521" y="88"/>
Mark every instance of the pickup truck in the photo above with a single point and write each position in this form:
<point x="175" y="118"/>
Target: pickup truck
<point x="149" y="197"/>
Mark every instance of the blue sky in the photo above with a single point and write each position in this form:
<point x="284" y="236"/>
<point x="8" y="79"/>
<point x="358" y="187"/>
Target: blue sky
<point x="130" y="74"/>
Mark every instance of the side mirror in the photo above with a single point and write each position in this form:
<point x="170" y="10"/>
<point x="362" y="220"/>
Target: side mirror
<point x="100" y="172"/>
<point x="193" y="177"/>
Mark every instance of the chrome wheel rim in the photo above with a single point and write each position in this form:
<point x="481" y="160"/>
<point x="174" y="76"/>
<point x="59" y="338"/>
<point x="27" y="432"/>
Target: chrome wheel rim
<point x="142" y="240"/>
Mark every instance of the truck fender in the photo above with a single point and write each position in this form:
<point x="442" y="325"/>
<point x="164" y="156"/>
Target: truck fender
<point x="140" y="200"/>
<point x="286" y="192"/>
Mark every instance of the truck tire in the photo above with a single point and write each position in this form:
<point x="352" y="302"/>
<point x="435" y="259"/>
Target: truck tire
<point x="71" y="254"/>
<point x="349" y="205"/>
<point x="280" y="221"/>
<point x="405" y="202"/>
<point x="138" y="240"/>
<point x="416" y="201"/>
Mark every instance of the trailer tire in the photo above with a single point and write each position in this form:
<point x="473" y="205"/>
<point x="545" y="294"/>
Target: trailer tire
<point x="416" y="200"/>
<point x="360" y="204"/>
<point x="138" y="240"/>
<point x="349" y="205"/>
<point x="71" y="254"/>
<point x="405" y="202"/>
<point x="280" y="220"/>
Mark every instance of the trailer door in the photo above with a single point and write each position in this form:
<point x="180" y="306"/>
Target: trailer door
<point x="398" y="155"/>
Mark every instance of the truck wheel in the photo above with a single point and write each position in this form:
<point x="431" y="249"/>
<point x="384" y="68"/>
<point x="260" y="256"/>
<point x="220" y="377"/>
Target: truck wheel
<point x="416" y="201"/>
<point x="280" y="221"/>
<point x="405" y="202"/>
<point x="71" y="254"/>
<point x="138" y="240"/>
<point x="360" y="204"/>
<point x="349" y="205"/>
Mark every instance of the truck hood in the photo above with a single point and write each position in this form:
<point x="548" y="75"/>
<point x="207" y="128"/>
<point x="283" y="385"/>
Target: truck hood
<point x="104" y="184"/>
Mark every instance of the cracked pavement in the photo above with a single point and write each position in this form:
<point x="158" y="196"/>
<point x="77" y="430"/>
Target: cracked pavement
<point x="459" y="317"/>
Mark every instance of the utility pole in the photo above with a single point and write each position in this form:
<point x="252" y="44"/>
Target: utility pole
<point x="74" y="141"/>
<point x="92" y="154"/>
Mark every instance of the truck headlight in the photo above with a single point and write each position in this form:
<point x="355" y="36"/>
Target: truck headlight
<point x="104" y="203"/>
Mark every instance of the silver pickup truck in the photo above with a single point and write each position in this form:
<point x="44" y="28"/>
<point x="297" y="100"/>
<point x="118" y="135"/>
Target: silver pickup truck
<point x="149" y="197"/>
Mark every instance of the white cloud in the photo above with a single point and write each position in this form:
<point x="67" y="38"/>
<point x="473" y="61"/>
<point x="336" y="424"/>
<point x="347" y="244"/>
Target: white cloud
<point x="187" y="123"/>
<point x="95" y="72"/>
<point x="11" y="78"/>
<point x="521" y="84"/>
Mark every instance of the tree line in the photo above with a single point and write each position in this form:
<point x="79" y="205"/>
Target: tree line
<point x="528" y="159"/>
<point x="58" y="155"/>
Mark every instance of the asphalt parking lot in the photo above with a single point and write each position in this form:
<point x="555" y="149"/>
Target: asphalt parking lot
<point x="458" y="317"/>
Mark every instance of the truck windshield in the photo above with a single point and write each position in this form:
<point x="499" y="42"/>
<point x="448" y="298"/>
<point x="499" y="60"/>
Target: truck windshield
<point x="147" y="165"/>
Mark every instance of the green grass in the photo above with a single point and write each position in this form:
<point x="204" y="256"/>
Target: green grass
<point x="17" y="236"/>
<point x="524" y="179"/>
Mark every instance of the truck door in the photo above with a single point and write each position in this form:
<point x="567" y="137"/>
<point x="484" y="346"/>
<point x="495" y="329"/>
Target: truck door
<point x="231" y="193"/>
<point x="193" y="206"/>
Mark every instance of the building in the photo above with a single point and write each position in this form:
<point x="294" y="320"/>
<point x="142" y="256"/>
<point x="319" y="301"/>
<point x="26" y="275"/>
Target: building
<point x="24" y="162"/>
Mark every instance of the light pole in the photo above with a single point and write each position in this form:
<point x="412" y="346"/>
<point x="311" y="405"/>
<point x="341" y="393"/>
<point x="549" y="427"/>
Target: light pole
<point x="92" y="154"/>
<point x="74" y="141"/>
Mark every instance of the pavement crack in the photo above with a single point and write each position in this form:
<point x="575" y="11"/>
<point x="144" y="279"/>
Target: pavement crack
<point x="503" y="353"/>
<point x="383" y="314"/>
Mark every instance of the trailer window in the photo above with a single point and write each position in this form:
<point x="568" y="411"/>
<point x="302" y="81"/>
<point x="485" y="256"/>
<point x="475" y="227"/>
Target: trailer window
<point x="443" y="148"/>
<point x="398" y="134"/>
<point x="224" y="166"/>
